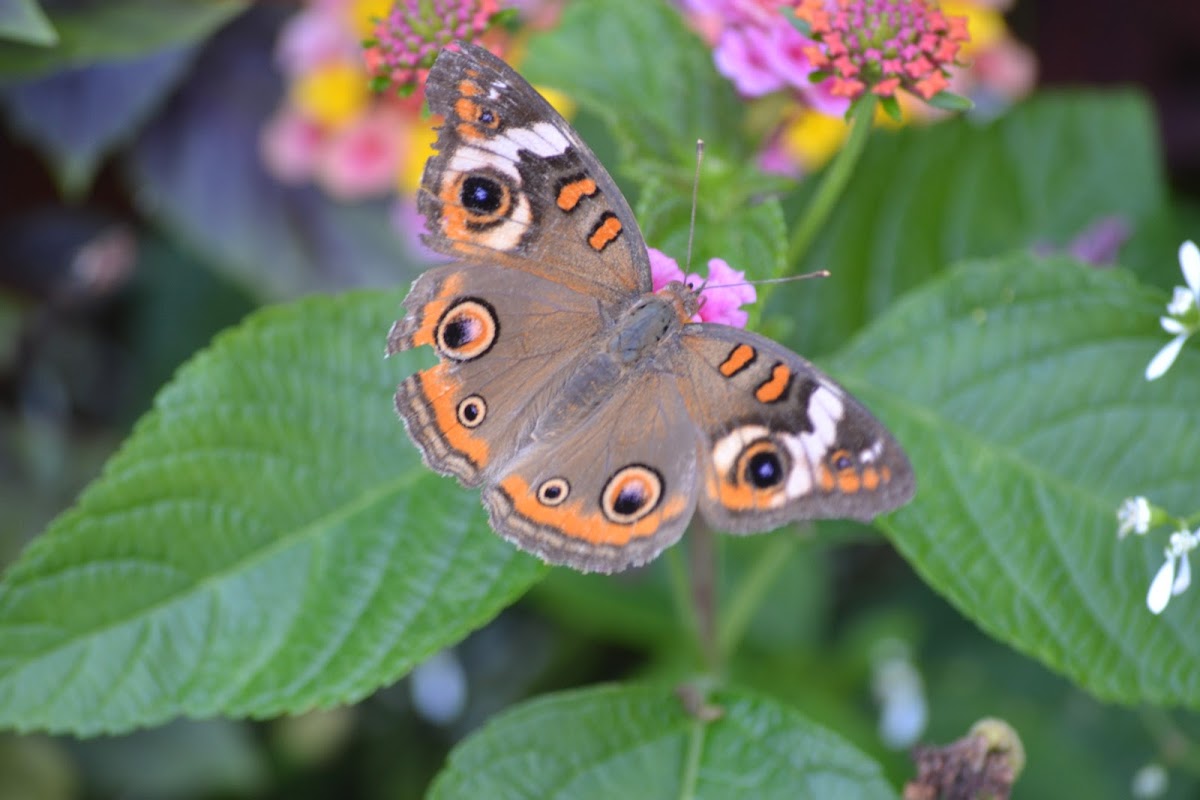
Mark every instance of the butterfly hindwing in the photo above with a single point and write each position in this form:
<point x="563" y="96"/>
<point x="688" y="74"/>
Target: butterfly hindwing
<point x="606" y="487"/>
<point x="782" y="440"/>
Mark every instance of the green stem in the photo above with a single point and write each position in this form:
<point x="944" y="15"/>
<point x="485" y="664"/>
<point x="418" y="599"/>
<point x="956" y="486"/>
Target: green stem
<point x="751" y="590"/>
<point x="833" y="183"/>
<point x="691" y="770"/>
<point x="702" y="557"/>
<point x="681" y="593"/>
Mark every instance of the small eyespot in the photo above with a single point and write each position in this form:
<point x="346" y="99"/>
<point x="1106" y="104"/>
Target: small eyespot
<point x="472" y="411"/>
<point x="553" y="491"/>
<point x="630" y="494"/>
<point x="841" y="460"/>
<point x="488" y="117"/>
<point x="467" y="329"/>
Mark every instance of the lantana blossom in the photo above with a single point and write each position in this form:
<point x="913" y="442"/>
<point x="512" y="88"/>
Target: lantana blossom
<point x="1183" y="312"/>
<point x="408" y="39"/>
<point x="882" y="46"/>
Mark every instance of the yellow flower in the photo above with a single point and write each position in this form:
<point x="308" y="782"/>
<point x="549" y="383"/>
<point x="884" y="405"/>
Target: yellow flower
<point x="421" y="137"/>
<point x="331" y="95"/>
<point x="364" y="14"/>
<point x="559" y="101"/>
<point x="811" y="138"/>
<point x="985" y="24"/>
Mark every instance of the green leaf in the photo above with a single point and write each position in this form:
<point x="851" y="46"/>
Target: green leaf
<point x="24" y="21"/>
<point x="750" y="237"/>
<point x="802" y="25"/>
<point x="924" y="198"/>
<point x="267" y="541"/>
<point x="891" y="107"/>
<point x="77" y="116"/>
<point x="949" y="101"/>
<point x="638" y="741"/>
<point x="624" y="60"/>
<point x="1016" y="386"/>
<point x="114" y="30"/>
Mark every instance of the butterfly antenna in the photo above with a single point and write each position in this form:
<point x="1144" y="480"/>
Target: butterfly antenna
<point x="695" y="194"/>
<point x="821" y="273"/>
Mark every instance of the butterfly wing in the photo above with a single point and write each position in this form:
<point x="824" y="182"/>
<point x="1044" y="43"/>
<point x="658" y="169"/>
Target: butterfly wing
<point x="498" y="334"/>
<point x="782" y="441"/>
<point x="605" y="484"/>
<point x="513" y="184"/>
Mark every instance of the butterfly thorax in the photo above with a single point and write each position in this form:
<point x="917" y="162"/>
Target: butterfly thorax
<point x="641" y="330"/>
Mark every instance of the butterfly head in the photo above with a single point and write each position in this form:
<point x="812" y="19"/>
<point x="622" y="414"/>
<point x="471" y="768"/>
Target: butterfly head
<point x="682" y="297"/>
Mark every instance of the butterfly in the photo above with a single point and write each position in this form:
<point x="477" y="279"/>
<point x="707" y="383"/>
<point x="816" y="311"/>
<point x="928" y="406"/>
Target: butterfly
<point x="595" y="415"/>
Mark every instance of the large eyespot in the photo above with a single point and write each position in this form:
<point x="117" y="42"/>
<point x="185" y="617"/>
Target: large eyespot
<point x="471" y="411"/>
<point x="630" y="494"/>
<point x="467" y="330"/>
<point x="483" y="195"/>
<point x="553" y="491"/>
<point x="761" y="465"/>
<point x="763" y="469"/>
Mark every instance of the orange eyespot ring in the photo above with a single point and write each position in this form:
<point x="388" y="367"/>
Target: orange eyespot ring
<point x="553" y="492"/>
<point x="761" y="466"/>
<point x="467" y="330"/>
<point x="472" y="411"/>
<point x="631" y="494"/>
<point x="484" y="199"/>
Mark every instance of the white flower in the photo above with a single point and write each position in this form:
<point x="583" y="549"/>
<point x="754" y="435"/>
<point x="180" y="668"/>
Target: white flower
<point x="1150" y="781"/>
<point x="897" y="686"/>
<point x="1189" y="263"/>
<point x="1184" y="302"/>
<point x="1133" y="517"/>
<point x="438" y="687"/>
<point x="1175" y="575"/>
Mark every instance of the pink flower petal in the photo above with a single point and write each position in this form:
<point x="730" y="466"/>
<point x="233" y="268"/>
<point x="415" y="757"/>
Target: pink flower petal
<point x="289" y="145"/>
<point x="311" y="38"/>
<point x="786" y="54"/>
<point x="724" y="294"/>
<point x="363" y="159"/>
<point x="739" y="56"/>
<point x="663" y="269"/>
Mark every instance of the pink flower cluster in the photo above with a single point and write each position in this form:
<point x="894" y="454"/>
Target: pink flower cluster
<point x="408" y="40"/>
<point x="329" y="130"/>
<point x="882" y="45"/>
<point x="760" y="50"/>
<point x="725" y="292"/>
